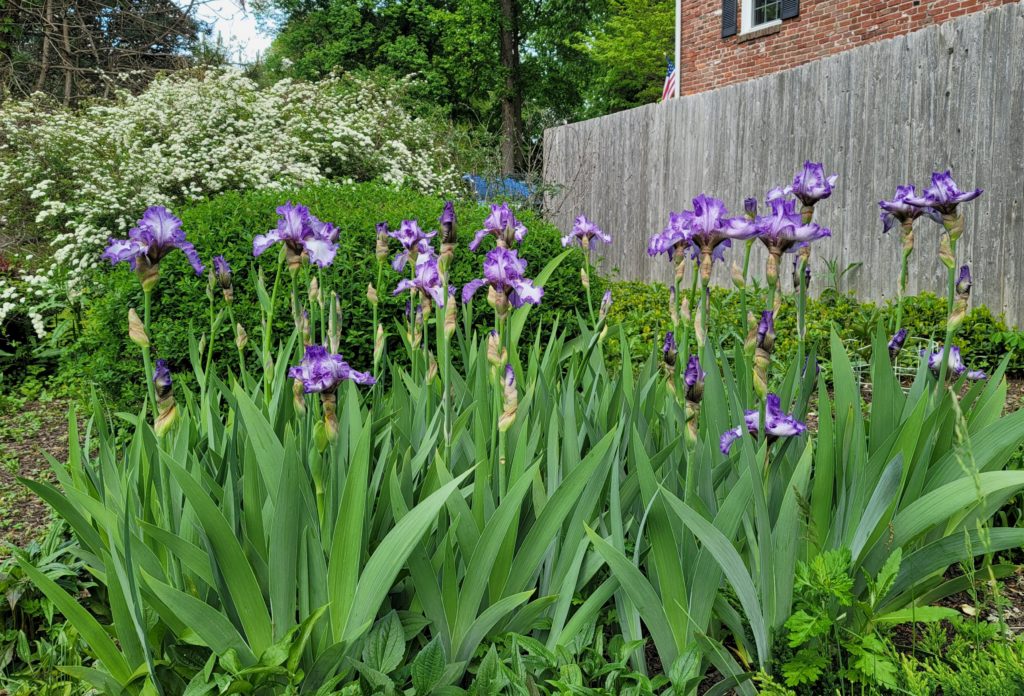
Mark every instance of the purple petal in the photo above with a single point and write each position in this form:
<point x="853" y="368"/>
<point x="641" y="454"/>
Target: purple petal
<point x="262" y="242"/>
<point x="729" y="437"/>
<point x="321" y="251"/>
<point x="470" y="289"/>
<point x="192" y="255"/>
<point x="119" y="250"/>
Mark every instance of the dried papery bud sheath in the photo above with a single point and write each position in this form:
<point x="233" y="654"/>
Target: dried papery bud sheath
<point x="585" y="278"/>
<point x="680" y="259"/>
<point x="137" y="330"/>
<point x="315" y="296"/>
<point x="329" y="401"/>
<point x="371" y="294"/>
<point x="450" y="316"/>
<point x="378" y="344"/>
<point x="496" y="353"/>
<point x="510" y="400"/>
<point x="750" y="344"/>
<point x="772" y="267"/>
<point x="946" y="255"/>
<point x="167" y="410"/>
<point x="737" y="276"/>
<point x="298" y="396"/>
<point x="241" y="338"/>
<point x="673" y="309"/>
<point x="962" y="298"/>
<point x="606" y="305"/>
<point x="431" y="369"/>
<point x="763" y="352"/>
<point x="148" y="273"/>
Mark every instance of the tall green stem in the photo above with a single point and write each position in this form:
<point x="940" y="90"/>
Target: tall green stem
<point x="147" y="363"/>
<point x="268" y="329"/>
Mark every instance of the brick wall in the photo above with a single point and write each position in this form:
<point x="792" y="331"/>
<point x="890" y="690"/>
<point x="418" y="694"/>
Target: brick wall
<point x="823" y="28"/>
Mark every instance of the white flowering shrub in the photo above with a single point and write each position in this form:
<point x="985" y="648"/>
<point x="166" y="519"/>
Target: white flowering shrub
<point x="72" y="179"/>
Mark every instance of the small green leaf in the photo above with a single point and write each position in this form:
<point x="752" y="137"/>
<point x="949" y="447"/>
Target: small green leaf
<point x="385" y="646"/>
<point x="428" y="667"/>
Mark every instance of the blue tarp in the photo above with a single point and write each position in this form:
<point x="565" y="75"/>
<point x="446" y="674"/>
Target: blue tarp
<point x="499" y="189"/>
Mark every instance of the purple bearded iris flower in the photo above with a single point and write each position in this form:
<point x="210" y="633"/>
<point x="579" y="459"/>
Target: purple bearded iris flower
<point x="222" y="270"/>
<point x="414" y="242"/>
<point x="426" y="281"/>
<point x="943" y="195"/>
<point x="320" y="371"/>
<point x="674" y="238"/>
<point x="583" y="231"/>
<point x="162" y="379"/>
<point x="502" y="223"/>
<point x="303" y="236"/>
<point x="750" y="207"/>
<point x="776" y="424"/>
<point x="669" y="349"/>
<point x="901" y="210"/>
<point x="784" y="230"/>
<point x="155" y="235"/>
<point x="694" y="379"/>
<point x="964" y="282"/>
<point x="505" y="272"/>
<point x="896" y="343"/>
<point x="811" y="185"/>
<point x="711" y="231"/>
<point x="954" y="363"/>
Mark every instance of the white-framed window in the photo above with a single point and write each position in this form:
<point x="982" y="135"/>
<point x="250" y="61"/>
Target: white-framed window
<point x="759" y="14"/>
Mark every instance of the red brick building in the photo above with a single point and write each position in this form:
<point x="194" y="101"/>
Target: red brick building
<point x="729" y="41"/>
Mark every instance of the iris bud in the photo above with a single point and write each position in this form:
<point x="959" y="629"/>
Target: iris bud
<point x="136" y="330"/>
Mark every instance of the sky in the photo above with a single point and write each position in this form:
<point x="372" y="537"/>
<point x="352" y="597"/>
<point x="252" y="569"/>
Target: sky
<point x="238" y="27"/>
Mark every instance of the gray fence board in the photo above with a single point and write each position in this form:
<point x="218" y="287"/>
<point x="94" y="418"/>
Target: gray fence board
<point x="880" y="115"/>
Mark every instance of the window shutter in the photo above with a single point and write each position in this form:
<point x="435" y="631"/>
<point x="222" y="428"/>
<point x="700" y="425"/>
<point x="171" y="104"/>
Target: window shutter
<point x="729" y="17"/>
<point x="790" y="9"/>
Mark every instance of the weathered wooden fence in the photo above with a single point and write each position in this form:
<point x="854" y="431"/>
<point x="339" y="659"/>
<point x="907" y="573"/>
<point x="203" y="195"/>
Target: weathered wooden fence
<point x="950" y="96"/>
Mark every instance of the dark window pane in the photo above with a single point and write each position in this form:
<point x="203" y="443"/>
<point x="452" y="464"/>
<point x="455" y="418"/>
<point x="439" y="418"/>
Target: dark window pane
<point x="766" y="11"/>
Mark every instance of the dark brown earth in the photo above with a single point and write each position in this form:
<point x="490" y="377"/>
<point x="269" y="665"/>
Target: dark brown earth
<point x="25" y="433"/>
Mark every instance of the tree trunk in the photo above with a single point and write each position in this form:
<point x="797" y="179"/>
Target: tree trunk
<point x="512" y="97"/>
<point x="44" y="61"/>
<point x="67" y="58"/>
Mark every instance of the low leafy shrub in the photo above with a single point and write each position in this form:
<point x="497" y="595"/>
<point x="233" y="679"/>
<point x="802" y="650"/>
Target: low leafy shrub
<point x="643" y="311"/>
<point x="226" y="225"/>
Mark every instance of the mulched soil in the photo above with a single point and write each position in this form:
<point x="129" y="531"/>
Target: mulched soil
<point x="25" y="434"/>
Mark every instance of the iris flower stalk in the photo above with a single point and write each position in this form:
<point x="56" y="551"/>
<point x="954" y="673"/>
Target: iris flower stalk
<point x="446" y="320"/>
<point x="381" y="254"/>
<point x="674" y="241"/>
<point x="944" y="197"/>
<point x="900" y="210"/>
<point x="583" y="234"/>
<point x="155" y="235"/>
<point x="810" y="185"/>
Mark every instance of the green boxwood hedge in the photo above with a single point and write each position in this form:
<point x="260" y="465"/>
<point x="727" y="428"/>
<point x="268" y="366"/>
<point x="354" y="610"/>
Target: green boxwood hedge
<point x="226" y="225"/>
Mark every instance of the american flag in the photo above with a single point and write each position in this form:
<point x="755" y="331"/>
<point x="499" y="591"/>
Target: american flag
<point x="671" y="75"/>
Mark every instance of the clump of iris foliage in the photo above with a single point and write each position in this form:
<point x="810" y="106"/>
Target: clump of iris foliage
<point x="303" y="523"/>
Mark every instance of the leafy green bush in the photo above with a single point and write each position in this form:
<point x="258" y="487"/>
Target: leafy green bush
<point x="226" y="225"/>
<point x="643" y="311"/>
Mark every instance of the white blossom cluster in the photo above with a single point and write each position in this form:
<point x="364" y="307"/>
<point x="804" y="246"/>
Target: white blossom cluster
<point x="76" y="178"/>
